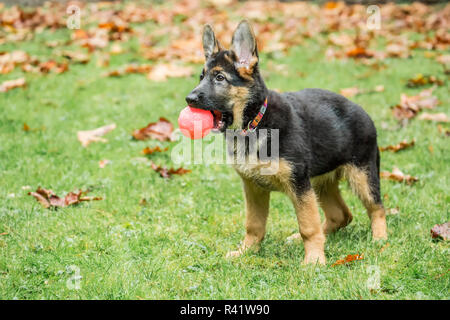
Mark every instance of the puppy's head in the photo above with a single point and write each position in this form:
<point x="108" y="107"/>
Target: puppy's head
<point x="229" y="79"/>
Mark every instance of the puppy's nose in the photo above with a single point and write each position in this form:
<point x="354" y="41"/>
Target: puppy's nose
<point x="192" y="98"/>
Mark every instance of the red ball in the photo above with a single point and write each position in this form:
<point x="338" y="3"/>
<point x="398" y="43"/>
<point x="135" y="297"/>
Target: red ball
<point x="195" y="123"/>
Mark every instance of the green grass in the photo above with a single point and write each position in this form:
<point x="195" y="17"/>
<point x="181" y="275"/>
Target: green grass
<point x="174" y="247"/>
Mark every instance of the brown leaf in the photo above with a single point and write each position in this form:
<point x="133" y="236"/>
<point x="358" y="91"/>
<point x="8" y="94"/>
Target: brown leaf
<point x="131" y="68"/>
<point x="397" y="175"/>
<point x="441" y="130"/>
<point x="437" y="117"/>
<point x="410" y="106"/>
<point x="78" y="57"/>
<point x="12" y="84"/>
<point x="349" y="258"/>
<point x="167" y="173"/>
<point x="350" y="92"/>
<point x="423" y="80"/>
<point x="441" y="231"/>
<point x="161" y="130"/>
<point x="400" y="146"/>
<point x="49" y="199"/>
<point x="163" y="71"/>
<point x="148" y="150"/>
<point x="86" y="137"/>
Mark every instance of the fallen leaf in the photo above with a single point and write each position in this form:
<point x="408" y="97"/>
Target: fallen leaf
<point x="167" y="173"/>
<point x="423" y="80"/>
<point x="397" y="175"/>
<point x="384" y="247"/>
<point x="78" y="57"/>
<point x="148" y="150"/>
<point x="88" y="136"/>
<point x="400" y="146"/>
<point x="12" y="84"/>
<point x="49" y="199"/>
<point x="349" y="258"/>
<point x="437" y="117"/>
<point x="441" y="231"/>
<point x="410" y="106"/>
<point x="444" y="59"/>
<point x="161" y="130"/>
<point x="131" y="68"/>
<point x="116" y="48"/>
<point x="359" y="52"/>
<point x="103" y="163"/>
<point x="441" y="130"/>
<point x="350" y="92"/>
<point x="161" y="72"/>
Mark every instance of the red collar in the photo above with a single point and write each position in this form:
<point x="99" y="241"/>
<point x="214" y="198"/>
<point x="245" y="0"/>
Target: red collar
<point x="252" y="125"/>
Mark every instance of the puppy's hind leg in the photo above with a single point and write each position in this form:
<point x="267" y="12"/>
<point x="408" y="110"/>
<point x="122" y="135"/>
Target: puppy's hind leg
<point x="336" y="211"/>
<point x="365" y="182"/>
<point x="257" y="210"/>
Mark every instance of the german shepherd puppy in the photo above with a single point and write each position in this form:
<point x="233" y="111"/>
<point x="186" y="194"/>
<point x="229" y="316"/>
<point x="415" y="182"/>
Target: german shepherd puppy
<point x="323" y="138"/>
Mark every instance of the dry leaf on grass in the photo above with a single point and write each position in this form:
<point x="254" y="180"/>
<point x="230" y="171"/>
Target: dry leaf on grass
<point x="103" y="163"/>
<point x="349" y="258"/>
<point x="400" y="146"/>
<point x="167" y="173"/>
<point x="77" y="57"/>
<point x="444" y="131"/>
<point x="441" y="231"/>
<point x="46" y="67"/>
<point x="88" y="136"/>
<point x="163" y="71"/>
<point x="128" y="69"/>
<point x="437" y="117"/>
<point x="49" y="199"/>
<point x="12" y="84"/>
<point x="351" y="92"/>
<point x="397" y="175"/>
<point x="161" y="130"/>
<point x="423" y="80"/>
<point x="148" y="150"/>
<point x="410" y="106"/>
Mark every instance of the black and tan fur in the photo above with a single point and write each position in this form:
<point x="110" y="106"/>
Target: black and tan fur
<point x="323" y="138"/>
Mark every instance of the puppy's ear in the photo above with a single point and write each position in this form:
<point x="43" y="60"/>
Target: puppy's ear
<point x="243" y="44"/>
<point x="210" y="44"/>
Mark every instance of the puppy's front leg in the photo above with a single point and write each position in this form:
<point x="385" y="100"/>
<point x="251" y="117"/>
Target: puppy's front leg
<point x="257" y="210"/>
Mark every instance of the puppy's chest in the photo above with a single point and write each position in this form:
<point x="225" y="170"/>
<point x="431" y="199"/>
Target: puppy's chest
<point x="253" y="172"/>
<point x="274" y="175"/>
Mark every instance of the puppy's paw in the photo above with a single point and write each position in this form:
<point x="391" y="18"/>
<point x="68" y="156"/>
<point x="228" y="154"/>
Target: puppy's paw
<point x="314" y="258"/>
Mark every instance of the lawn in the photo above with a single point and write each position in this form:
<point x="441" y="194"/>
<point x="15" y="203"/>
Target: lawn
<point x="173" y="246"/>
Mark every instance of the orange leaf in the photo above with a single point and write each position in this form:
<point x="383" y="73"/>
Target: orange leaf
<point x="349" y="258"/>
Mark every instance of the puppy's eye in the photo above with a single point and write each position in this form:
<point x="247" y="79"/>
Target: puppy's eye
<point x="201" y="77"/>
<point x="220" y="77"/>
